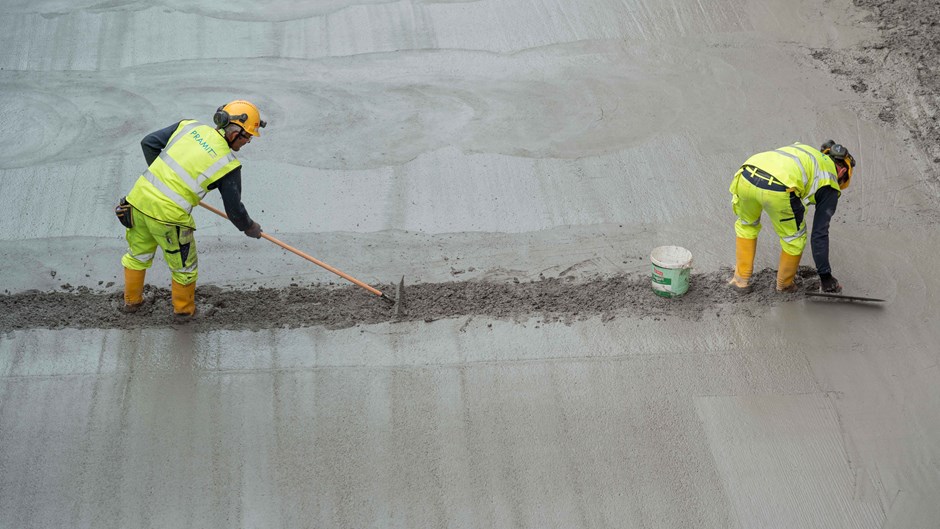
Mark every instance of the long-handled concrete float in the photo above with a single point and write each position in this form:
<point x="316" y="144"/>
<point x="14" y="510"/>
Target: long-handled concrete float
<point x="842" y="297"/>
<point x="398" y="302"/>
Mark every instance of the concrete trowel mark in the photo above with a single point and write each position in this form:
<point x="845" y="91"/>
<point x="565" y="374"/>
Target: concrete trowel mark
<point x="245" y="10"/>
<point x="484" y="103"/>
<point x="56" y="112"/>
<point x="772" y="478"/>
<point x="315" y="306"/>
<point x="576" y="266"/>
<point x="41" y="115"/>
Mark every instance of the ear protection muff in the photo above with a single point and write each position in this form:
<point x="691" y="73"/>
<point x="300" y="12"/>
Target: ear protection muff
<point x="837" y="152"/>
<point x="223" y="119"/>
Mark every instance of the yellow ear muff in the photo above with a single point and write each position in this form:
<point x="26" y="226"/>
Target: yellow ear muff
<point x="848" y="177"/>
<point x="846" y="159"/>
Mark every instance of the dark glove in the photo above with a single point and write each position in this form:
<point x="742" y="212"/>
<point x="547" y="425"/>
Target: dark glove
<point x="253" y="231"/>
<point x="829" y="284"/>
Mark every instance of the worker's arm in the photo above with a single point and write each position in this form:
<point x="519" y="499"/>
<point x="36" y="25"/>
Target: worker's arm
<point x="827" y="199"/>
<point x="154" y="143"/>
<point x="230" y="187"/>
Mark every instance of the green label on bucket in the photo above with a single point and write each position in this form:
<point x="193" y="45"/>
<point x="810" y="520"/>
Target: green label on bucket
<point x="670" y="282"/>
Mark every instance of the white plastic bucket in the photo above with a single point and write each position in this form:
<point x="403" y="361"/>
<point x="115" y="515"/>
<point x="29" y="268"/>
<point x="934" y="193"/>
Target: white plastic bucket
<point x="672" y="266"/>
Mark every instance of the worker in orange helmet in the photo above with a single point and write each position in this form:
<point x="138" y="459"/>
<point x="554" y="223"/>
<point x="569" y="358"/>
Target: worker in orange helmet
<point x="781" y="182"/>
<point x="185" y="161"/>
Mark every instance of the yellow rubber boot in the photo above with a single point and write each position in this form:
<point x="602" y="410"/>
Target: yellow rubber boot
<point x="786" y="271"/>
<point x="744" y="264"/>
<point x="184" y="299"/>
<point x="133" y="289"/>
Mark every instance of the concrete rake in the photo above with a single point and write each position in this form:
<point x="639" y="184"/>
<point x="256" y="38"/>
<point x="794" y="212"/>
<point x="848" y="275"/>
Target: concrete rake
<point x="398" y="302"/>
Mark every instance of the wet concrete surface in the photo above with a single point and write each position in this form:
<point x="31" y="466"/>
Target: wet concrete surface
<point x="516" y="162"/>
<point x="550" y="299"/>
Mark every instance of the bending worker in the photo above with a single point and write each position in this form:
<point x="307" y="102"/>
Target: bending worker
<point x="185" y="161"/>
<point x="780" y="182"/>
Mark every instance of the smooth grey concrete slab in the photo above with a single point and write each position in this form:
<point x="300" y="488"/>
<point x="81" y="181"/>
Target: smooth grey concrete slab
<point x="463" y="140"/>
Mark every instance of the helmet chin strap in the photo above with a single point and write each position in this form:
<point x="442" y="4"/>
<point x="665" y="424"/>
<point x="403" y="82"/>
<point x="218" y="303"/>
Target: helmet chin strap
<point x="229" y="141"/>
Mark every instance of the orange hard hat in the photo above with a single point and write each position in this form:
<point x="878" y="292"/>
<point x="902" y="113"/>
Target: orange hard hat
<point x="242" y="113"/>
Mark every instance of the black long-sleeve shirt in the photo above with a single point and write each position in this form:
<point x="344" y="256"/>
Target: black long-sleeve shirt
<point x="229" y="186"/>
<point x="827" y="199"/>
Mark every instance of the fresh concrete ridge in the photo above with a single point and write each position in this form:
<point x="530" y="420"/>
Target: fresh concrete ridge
<point x="516" y="161"/>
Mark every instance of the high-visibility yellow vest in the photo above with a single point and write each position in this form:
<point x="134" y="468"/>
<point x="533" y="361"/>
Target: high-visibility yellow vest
<point x="195" y="156"/>
<point x="799" y="167"/>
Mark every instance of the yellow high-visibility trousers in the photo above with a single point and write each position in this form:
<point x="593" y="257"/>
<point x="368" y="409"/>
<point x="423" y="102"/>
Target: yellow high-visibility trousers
<point x="178" y="244"/>
<point x="785" y="210"/>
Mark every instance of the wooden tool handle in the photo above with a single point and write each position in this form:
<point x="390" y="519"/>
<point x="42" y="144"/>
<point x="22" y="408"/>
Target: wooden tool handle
<point x="312" y="259"/>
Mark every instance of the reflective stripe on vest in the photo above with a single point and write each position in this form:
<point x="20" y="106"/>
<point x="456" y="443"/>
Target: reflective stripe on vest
<point x="169" y="193"/>
<point x="172" y="184"/>
<point x="182" y="134"/>
<point x="195" y="184"/>
<point x="818" y="172"/>
<point x="799" y="163"/>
